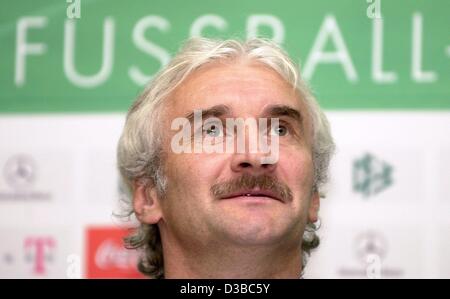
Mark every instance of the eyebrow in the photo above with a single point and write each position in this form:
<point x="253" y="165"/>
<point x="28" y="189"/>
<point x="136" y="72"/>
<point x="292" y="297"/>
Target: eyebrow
<point x="269" y="112"/>
<point x="214" y="111"/>
<point x="284" y="110"/>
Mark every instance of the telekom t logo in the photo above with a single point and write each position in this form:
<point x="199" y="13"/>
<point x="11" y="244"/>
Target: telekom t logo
<point x="38" y="247"/>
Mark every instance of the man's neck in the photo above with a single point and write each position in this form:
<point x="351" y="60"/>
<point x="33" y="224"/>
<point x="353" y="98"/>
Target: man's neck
<point x="226" y="261"/>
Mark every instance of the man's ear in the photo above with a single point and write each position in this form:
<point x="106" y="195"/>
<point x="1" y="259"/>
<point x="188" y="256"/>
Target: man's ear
<point x="146" y="203"/>
<point x="314" y="206"/>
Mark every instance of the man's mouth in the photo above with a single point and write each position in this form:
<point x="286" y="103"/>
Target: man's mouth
<point x="253" y="194"/>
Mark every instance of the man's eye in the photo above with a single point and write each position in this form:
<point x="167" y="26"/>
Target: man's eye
<point x="212" y="130"/>
<point x="280" y="130"/>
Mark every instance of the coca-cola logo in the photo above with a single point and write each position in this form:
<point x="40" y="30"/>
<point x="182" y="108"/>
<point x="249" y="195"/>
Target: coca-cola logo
<point x="107" y="256"/>
<point x="112" y="255"/>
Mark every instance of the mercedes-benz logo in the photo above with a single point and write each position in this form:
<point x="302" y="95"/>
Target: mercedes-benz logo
<point x="20" y="171"/>
<point x="370" y="243"/>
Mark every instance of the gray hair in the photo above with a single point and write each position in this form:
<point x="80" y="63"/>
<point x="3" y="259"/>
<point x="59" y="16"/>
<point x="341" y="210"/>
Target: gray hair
<point x="139" y="153"/>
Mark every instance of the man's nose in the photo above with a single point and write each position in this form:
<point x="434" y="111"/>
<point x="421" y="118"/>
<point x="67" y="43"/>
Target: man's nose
<point x="252" y="163"/>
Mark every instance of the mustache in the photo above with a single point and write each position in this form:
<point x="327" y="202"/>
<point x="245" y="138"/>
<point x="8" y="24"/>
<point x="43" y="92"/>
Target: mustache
<point x="247" y="181"/>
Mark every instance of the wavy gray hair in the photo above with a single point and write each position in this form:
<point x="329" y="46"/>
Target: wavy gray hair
<point x="139" y="149"/>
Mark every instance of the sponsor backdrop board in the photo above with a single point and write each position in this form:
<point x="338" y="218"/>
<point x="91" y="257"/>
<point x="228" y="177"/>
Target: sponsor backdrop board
<point x="70" y="70"/>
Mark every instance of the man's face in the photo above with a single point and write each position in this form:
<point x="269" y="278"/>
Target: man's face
<point x="191" y="211"/>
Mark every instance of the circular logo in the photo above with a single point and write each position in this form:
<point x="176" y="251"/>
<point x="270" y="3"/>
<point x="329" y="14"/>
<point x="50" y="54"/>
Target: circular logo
<point x="370" y="243"/>
<point x="20" y="171"/>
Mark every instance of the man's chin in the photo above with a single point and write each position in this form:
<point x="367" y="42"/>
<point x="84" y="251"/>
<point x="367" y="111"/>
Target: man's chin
<point x="254" y="235"/>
